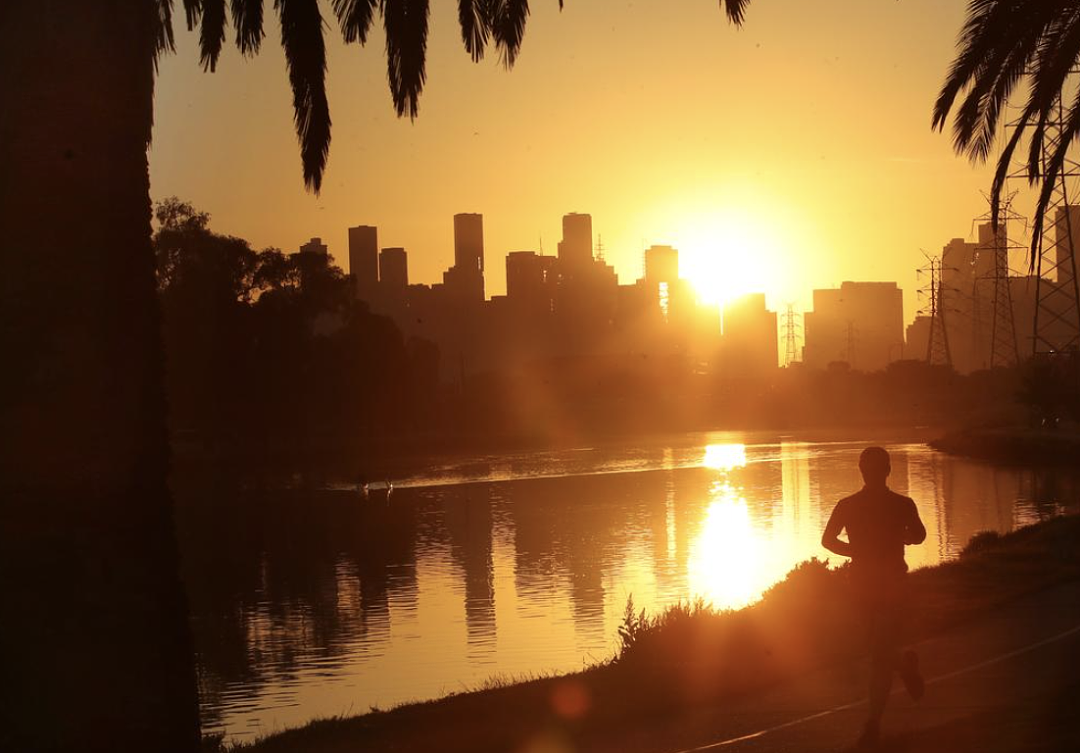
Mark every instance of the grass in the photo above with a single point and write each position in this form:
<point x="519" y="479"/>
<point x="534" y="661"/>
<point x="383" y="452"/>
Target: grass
<point x="692" y="654"/>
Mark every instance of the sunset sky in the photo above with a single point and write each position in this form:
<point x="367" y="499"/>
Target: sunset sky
<point x="794" y="153"/>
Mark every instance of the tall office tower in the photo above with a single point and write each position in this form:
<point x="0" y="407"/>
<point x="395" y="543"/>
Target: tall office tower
<point x="861" y="323"/>
<point x="314" y="246"/>
<point x="661" y="264"/>
<point x="469" y="242"/>
<point x="364" y="260"/>
<point x="394" y="270"/>
<point x="465" y="280"/>
<point x="575" y="249"/>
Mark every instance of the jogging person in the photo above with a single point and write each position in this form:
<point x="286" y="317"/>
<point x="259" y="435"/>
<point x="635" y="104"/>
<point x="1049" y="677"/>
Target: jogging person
<point x="879" y="523"/>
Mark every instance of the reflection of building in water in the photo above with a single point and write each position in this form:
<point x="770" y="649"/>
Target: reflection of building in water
<point x="861" y="324"/>
<point x="469" y="525"/>
<point x="795" y="489"/>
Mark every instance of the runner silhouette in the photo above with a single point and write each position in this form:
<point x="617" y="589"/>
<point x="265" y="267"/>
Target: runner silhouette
<point x="879" y="523"/>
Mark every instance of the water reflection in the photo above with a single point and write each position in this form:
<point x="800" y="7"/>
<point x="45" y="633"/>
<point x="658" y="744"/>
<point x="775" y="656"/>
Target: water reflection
<point x="308" y="603"/>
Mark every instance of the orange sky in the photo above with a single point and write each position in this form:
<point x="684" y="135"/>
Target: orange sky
<point x="803" y="137"/>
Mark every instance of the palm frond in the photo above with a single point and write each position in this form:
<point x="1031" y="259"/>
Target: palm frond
<point x="736" y="10"/>
<point x="211" y="33"/>
<point x="406" y="23"/>
<point x="247" y="17"/>
<point x="508" y="29"/>
<point x="305" y="57"/>
<point x="354" y="19"/>
<point x="192" y="12"/>
<point x="475" y="19"/>
<point x="164" y="40"/>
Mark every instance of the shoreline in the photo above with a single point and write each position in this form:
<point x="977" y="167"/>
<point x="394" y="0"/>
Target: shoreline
<point x="661" y="670"/>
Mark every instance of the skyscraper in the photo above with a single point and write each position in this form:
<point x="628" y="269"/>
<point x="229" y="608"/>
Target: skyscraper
<point x="364" y="260"/>
<point x="394" y="270"/>
<point x="465" y="280"/>
<point x="314" y="246"/>
<point x="575" y="249"/>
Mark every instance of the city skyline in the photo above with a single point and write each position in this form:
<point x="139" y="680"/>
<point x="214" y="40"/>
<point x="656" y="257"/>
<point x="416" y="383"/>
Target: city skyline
<point x="669" y="160"/>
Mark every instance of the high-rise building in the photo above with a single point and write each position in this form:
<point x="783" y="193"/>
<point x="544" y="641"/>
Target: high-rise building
<point x="530" y="280"/>
<point x="364" y="260"/>
<point x="394" y="270"/>
<point x="314" y="246"/>
<point x="750" y="338"/>
<point x="465" y="280"/>
<point x="861" y="323"/>
<point x="661" y="264"/>
<point x="575" y="249"/>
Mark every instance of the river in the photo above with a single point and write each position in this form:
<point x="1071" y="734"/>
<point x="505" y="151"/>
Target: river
<point x="308" y="601"/>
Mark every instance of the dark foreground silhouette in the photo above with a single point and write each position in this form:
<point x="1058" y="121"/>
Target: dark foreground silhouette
<point x="879" y="524"/>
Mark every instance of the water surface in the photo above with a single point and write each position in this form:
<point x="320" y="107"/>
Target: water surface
<point x="310" y="602"/>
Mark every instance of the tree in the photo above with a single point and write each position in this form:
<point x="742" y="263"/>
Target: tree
<point x="87" y="557"/>
<point x="1005" y="43"/>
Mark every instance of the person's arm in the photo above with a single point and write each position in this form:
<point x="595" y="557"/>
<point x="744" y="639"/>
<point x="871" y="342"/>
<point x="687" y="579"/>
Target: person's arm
<point x="914" y="531"/>
<point x="830" y="538"/>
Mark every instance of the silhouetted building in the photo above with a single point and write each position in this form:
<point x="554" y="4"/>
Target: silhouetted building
<point x="661" y="264"/>
<point x="465" y="280"/>
<point x="749" y="340"/>
<point x="314" y="246"/>
<point x="364" y="260"/>
<point x="394" y="271"/>
<point x="861" y="323"/>
<point x="530" y="281"/>
<point x="575" y="249"/>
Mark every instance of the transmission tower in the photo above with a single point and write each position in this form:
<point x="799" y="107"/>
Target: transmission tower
<point x="937" y="344"/>
<point x="1004" y="347"/>
<point x="791" y="331"/>
<point x="1056" y="326"/>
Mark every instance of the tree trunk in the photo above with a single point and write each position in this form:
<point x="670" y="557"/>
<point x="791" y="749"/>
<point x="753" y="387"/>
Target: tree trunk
<point x="94" y="646"/>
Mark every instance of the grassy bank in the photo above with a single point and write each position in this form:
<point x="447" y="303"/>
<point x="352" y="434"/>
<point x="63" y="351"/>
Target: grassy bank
<point x="692" y="655"/>
<point x="1013" y="446"/>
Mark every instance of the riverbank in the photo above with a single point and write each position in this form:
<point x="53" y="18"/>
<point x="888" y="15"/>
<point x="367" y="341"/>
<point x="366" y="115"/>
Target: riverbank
<point x="1013" y="446"/>
<point x="695" y="658"/>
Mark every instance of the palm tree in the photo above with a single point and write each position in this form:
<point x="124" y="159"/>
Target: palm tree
<point x="94" y="643"/>
<point x="1005" y="43"/>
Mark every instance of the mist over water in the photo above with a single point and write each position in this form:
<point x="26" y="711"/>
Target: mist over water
<point x="311" y="602"/>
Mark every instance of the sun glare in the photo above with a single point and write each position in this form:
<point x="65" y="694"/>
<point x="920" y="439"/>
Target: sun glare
<point x="728" y="254"/>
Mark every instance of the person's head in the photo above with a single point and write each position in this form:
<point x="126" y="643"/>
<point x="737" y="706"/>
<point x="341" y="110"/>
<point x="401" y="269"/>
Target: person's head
<point x="875" y="465"/>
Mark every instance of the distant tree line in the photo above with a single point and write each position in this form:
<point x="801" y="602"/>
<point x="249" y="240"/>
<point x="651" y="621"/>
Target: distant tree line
<point x="267" y="350"/>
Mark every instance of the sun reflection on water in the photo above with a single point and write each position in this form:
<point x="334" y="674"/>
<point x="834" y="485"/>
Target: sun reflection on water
<point x="724" y="457"/>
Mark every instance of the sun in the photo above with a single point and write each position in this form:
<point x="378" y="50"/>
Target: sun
<point x="727" y="254"/>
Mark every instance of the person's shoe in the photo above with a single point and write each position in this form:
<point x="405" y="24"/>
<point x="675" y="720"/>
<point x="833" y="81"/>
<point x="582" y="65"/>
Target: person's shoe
<point x="909" y="674"/>
<point x="870" y="737"/>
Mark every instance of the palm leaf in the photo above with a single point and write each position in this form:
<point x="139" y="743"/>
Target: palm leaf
<point x="736" y="10"/>
<point x="211" y="33"/>
<point x="406" y="23"/>
<point x="192" y="11"/>
<point x="305" y="57"/>
<point x="508" y="29"/>
<point x="164" y="40"/>
<point x="475" y="19"/>
<point x="354" y="18"/>
<point x="247" y="16"/>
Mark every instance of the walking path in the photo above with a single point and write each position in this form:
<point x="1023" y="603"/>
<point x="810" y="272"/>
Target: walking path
<point x="1000" y="684"/>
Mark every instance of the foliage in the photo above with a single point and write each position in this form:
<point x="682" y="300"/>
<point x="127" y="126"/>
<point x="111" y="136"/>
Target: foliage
<point x="501" y="22"/>
<point x="1005" y="43"/>
<point x="270" y="346"/>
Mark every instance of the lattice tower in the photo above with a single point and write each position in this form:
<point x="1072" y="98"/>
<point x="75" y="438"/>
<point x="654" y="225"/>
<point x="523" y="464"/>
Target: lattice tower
<point x="791" y="332"/>
<point x="937" y="344"/>
<point x="1056" y="325"/>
